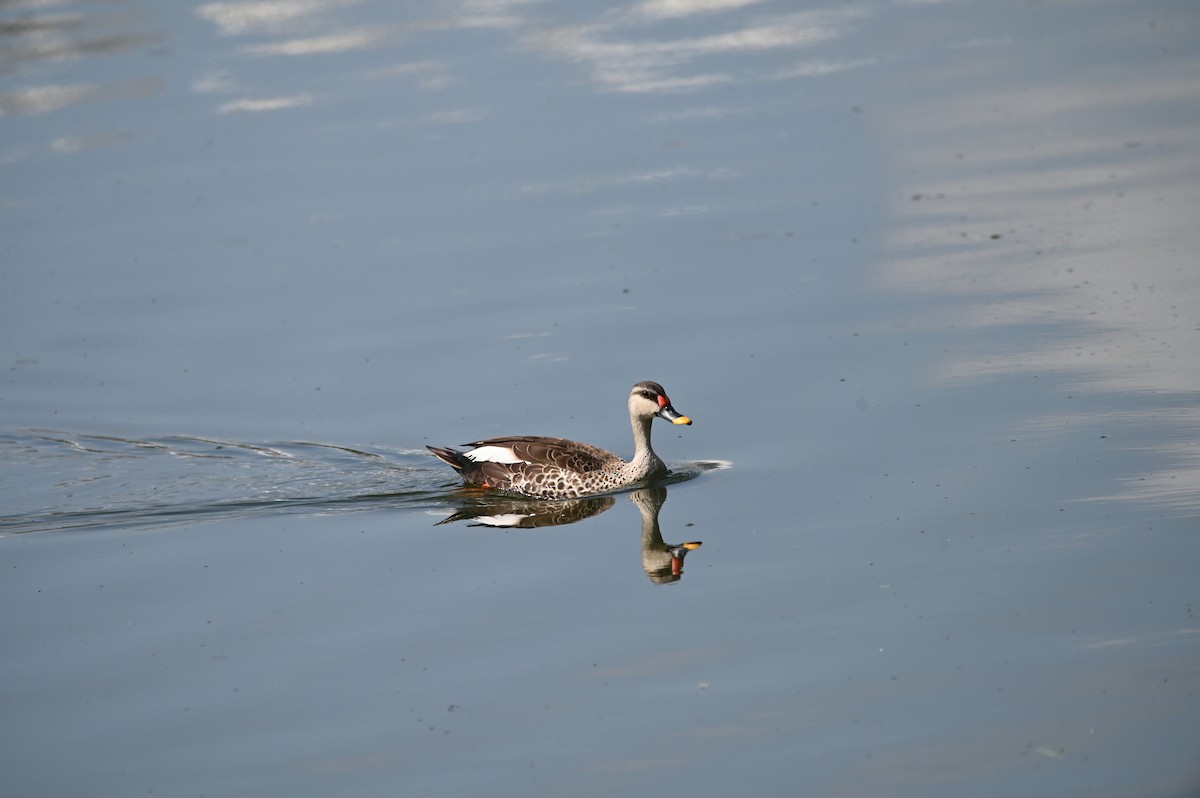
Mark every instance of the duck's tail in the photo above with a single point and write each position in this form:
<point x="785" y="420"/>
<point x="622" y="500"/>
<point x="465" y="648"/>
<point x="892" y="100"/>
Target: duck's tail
<point x="452" y="457"/>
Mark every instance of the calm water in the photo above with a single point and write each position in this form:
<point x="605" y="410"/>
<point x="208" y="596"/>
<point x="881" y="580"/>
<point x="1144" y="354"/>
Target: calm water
<point x="924" y="275"/>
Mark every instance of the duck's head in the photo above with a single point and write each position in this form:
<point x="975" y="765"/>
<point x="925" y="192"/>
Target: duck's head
<point x="649" y="399"/>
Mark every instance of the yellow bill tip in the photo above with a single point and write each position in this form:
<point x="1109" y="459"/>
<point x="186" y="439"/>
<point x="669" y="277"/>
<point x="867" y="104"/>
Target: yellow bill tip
<point x="681" y="420"/>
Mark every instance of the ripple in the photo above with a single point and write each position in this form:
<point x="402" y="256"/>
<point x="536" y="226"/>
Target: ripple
<point x="57" y="480"/>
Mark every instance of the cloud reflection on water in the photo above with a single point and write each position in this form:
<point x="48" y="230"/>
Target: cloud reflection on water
<point x="611" y="47"/>
<point x="1060" y="218"/>
<point x="296" y="19"/>
<point x="1068" y="205"/>
<point x="360" y="39"/>
<point x="265" y="104"/>
<point x="616" y="61"/>
<point x="275" y="17"/>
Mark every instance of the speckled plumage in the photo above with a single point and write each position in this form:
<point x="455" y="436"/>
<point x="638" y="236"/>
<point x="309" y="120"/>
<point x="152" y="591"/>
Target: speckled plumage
<point x="554" y="468"/>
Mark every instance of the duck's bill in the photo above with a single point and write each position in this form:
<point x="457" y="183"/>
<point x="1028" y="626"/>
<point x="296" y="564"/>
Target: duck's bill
<point x="672" y="415"/>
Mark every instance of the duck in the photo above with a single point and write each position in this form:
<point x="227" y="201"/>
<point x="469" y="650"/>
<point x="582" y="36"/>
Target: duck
<point x="556" y="468"/>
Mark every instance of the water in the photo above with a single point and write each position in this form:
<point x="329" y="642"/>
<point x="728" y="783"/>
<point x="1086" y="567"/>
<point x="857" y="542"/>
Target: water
<point x="923" y="275"/>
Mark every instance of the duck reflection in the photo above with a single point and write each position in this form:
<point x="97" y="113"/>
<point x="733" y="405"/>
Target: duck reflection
<point x="662" y="561"/>
<point x="486" y="509"/>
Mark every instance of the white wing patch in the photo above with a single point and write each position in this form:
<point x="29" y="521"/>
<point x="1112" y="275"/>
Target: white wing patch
<point x="494" y="454"/>
<point x="506" y="520"/>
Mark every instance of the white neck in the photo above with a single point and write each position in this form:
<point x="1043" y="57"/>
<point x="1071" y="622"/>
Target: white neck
<point x="644" y="462"/>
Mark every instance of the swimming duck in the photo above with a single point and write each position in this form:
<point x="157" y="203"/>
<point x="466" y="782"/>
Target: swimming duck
<point x="554" y="468"/>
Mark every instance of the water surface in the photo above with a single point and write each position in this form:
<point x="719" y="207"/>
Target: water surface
<point x="922" y="273"/>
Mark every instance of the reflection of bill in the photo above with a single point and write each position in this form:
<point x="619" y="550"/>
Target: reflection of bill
<point x="662" y="562"/>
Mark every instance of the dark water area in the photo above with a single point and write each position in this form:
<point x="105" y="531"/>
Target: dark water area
<point x="922" y="273"/>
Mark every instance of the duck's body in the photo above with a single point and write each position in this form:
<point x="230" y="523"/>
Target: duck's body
<point x="554" y="468"/>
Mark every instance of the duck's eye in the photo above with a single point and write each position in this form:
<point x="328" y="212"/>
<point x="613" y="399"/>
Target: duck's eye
<point x="647" y="395"/>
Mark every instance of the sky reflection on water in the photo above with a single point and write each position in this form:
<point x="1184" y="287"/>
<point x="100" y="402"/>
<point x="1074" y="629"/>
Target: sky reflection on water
<point x="923" y="270"/>
<point x="1057" y="205"/>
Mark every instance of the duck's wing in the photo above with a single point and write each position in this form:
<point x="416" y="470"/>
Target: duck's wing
<point x="539" y="451"/>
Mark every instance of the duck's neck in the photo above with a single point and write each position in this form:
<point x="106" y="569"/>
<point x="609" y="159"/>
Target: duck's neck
<point x="649" y="501"/>
<point x="645" y="462"/>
